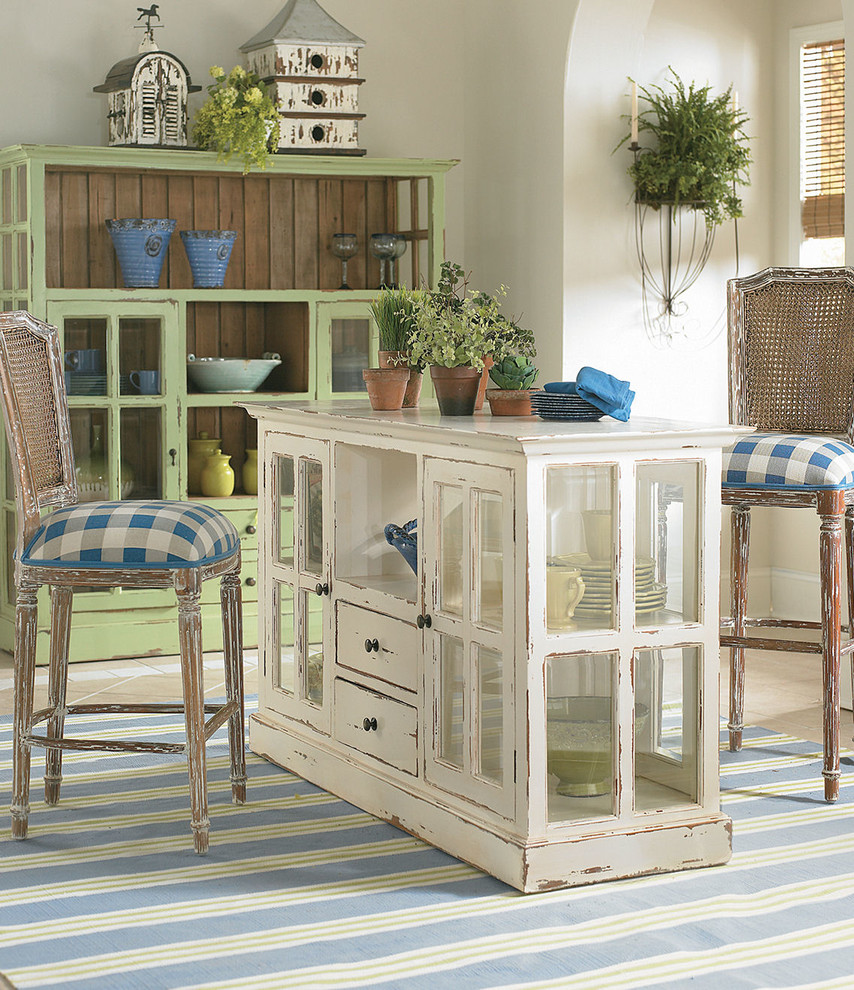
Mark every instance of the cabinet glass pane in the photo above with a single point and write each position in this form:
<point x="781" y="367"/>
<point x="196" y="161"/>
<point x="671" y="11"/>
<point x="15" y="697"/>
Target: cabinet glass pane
<point x="581" y="528"/>
<point x="85" y="346"/>
<point x="491" y="716"/>
<point x="666" y="727"/>
<point x="450" y="502"/>
<point x="141" y="453"/>
<point x="6" y="261"/>
<point x="7" y="469"/>
<point x="489" y="558"/>
<point x="311" y="473"/>
<point x="91" y="442"/>
<point x="667" y="573"/>
<point x="350" y="353"/>
<point x="283" y="466"/>
<point x="580" y="736"/>
<point x="451" y="714"/>
<point x="284" y="672"/>
<point x="139" y="356"/>
<point x="313" y="667"/>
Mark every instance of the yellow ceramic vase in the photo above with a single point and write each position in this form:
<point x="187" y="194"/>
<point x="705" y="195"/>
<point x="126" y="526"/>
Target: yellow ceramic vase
<point x="200" y="450"/>
<point x="217" y="476"/>
<point x="250" y="472"/>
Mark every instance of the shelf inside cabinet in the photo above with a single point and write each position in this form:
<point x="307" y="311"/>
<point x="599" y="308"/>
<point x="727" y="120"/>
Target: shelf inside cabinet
<point x="381" y="488"/>
<point x="235" y="329"/>
<point x="236" y="430"/>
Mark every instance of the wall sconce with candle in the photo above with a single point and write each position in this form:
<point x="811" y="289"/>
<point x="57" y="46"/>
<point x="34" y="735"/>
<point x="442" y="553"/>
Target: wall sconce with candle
<point x="686" y="179"/>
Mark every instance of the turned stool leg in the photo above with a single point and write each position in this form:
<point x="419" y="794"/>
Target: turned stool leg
<point x="26" y="618"/>
<point x="232" y="645"/>
<point x="60" y="634"/>
<point x="831" y="507"/>
<point x="188" y="589"/>
<point x="738" y="610"/>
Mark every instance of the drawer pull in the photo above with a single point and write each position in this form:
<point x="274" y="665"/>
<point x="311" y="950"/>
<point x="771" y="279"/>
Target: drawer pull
<point x="250" y="582"/>
<point x="251" y="530"/>
<point x="369" y="725"/>
<point x="423" y="622"/>
<point x="372" y="645"/>
<point x="321" y="589"/>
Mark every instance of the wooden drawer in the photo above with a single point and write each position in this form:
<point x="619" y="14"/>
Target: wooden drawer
<point x="376" y="725"/>
<point x="395" y="658"/>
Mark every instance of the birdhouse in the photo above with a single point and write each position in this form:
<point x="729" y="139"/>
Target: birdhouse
<point x="148" y="96"/>
<point x="310" y="63"/>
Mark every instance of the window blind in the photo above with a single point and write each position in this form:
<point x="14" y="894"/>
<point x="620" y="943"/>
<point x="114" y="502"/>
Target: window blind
<point x="823" y="154"/>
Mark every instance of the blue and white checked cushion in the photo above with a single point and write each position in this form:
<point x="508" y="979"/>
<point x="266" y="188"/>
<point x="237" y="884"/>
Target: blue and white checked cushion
<point x="144" y="535"/>
<point x="780" y="460"/>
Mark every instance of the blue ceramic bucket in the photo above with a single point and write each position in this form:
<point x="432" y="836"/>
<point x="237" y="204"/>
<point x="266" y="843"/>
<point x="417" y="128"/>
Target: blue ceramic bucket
<point x="140" y="247"/>
<point x="208" y="252"/>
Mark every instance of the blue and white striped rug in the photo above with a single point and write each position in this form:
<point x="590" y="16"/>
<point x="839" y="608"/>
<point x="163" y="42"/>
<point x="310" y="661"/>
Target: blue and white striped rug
<point x="301" y="890"/>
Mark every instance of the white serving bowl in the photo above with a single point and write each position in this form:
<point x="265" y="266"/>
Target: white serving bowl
<point x="229" y="374"/>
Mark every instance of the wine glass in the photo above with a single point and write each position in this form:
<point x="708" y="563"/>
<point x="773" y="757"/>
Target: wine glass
<point x="344" y="246"/>
<point x="399" y="251"/>
<point x="382" y="247"/>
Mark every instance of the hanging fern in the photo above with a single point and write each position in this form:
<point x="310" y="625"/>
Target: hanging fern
<point x="700" y="152"/>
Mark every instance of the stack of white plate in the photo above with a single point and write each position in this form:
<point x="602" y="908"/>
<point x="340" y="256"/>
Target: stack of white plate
<point x="559" y="405"/>
<point x="84" y="383"/>
<point x="598" y="577"/>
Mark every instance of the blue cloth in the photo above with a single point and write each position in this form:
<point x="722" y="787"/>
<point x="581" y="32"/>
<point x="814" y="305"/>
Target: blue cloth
<point x="611" y="395"/>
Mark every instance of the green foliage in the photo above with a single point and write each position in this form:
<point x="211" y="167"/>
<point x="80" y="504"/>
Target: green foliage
<point x="238" y="118"/>
<point x="455" y="326"/>
<point x="700" y="153"/>
<point x="514" y="372"/>
<point x="393" y="314"/>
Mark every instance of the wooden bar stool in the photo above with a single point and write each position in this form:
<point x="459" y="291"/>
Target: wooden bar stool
<point x="791" y="347"/>
<point x="129" y="544"/>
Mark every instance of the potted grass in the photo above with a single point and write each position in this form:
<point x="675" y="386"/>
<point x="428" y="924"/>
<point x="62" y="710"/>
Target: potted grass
<point x="513" y="376"/>
<point x="392" y="312"/>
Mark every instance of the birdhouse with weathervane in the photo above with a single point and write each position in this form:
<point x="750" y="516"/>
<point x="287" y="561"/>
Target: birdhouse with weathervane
<point x="310" y="63"/>
<point x="148" y="95"/>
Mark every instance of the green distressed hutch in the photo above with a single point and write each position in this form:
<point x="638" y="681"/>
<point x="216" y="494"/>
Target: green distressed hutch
<point x="281" y="294"/>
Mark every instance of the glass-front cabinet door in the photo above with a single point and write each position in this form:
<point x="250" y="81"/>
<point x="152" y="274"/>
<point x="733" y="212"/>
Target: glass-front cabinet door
<point x="346" y="344"/>
<point x="470" y="576"/>
<point x="298" y="638"/>
<point x="124" y="431"/>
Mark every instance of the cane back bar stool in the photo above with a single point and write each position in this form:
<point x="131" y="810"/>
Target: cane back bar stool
<point x="791" y="346"/>
<point x="131" y="544"/>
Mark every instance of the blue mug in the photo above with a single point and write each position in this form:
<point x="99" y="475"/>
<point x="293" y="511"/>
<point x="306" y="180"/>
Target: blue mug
<point x="88" y="360"/>
<point x="146" y="382"/>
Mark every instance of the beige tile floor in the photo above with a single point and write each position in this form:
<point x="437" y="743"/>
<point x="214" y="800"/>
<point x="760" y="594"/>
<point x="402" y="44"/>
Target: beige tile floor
<point x="783" y="691"/>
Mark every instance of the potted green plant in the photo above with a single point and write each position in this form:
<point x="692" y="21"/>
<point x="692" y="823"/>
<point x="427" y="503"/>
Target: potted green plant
<point x="238" y="118"/>
<point x="513" y="376"/>
<point x="392" y="311"/>
<point x="699" y="152"/>
<point x="458" y="332"/>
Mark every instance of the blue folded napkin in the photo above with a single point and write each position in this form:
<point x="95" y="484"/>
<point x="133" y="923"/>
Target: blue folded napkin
<point x="611" y="395"/>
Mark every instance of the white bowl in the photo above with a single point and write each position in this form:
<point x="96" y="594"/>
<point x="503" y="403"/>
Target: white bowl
<point x="229" y="374"/>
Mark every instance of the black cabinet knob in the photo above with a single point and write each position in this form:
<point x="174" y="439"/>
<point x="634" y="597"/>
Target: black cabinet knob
<point x="369" y="724"/>
<point x="423" y="622"/>
<point x="173" y="454"/>
<point x="250" y="582"/>
<point x="372" y="645"/>
<point x="321" y="589"/>
<point x="251" y="530"/>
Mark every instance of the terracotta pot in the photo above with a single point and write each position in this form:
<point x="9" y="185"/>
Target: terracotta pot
<point x="386" y="386"/>
<point x="413" y="389"/>
<point x="509" y="401"/>
<point x="393" y="359"/>
<point x="484" y="379"/>
<point x="456" y="389"/>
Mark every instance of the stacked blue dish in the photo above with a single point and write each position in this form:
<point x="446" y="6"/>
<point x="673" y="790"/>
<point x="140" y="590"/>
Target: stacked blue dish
<point x="564" y="406"/>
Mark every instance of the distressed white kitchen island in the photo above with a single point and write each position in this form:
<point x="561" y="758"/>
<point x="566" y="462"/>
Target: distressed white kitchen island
<point x="539" y="696"/>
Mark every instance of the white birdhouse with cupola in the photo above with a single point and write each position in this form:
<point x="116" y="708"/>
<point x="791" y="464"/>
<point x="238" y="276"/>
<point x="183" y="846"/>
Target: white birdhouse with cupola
<point x="310" y="63"/>
<point x="148" y="96"/>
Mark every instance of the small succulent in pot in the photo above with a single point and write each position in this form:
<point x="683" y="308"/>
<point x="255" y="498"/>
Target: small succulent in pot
<point x="514" y="372"/>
